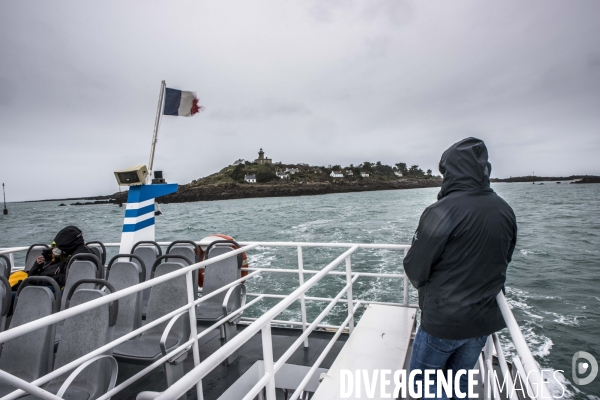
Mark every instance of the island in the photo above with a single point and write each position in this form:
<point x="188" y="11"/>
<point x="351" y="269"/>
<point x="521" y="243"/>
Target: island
<point x="262" y="177"/>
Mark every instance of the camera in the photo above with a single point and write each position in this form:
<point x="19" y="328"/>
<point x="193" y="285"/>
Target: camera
<point x="47" y="254"/>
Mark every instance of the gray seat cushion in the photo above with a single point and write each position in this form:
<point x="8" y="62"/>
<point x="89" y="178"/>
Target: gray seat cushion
<point x="146" y="347"/>
<point x="30" y="356"/>
<point x="82" y="334"/>
<point x="124" y="274"/>
<point x="79" y="269"/>
<point x="164" y="298"/>
<point x="216" y="276"/>
<point x="210" y="311"/>
<point x="4" y="268"/>
<point x="32" y="256"/>
<point x="70" y="394"/>
<point x="148" y="254"/>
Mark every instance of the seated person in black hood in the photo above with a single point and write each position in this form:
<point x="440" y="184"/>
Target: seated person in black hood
<point x="458" y="261"/>
<point x="52" y="263"/>
<point x="70" y="241"/>
<point x="67" y="243"/>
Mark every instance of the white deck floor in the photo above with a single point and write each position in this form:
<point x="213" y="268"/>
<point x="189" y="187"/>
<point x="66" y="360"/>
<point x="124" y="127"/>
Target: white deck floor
<point x="380" y="341"/>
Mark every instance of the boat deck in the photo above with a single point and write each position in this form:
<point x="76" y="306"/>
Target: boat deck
<point x="222" y="377"/>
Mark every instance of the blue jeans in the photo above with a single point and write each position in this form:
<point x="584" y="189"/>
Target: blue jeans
<point x="430" y="352"/>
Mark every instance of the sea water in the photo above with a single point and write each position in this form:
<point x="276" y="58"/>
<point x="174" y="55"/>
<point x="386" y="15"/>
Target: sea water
<point x="553" y="282"/>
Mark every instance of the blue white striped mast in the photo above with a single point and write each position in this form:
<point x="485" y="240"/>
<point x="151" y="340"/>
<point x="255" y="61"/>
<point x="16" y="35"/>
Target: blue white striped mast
<point x="138" y="222"/>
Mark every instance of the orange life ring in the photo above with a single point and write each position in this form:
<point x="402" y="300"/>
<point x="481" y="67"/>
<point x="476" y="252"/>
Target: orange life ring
<point x="202" y="255"/>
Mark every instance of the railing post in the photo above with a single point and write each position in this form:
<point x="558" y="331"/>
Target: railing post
<point x="405" y="302"/>
<point x="349" y="293"/>
<point x="504" y="368"/>
<point x="302" y="297"/>
<point x="485" y="383"/>
<point x="193" y="326"/>
<point x="11" y="257"/>
<point x="487" y="375"/>
<point x="267" y="344"/>
<point x="524" y="353"/>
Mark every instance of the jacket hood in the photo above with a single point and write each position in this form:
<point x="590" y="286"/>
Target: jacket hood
<point x="465" y="167"/>
<point x="69" y="239"/>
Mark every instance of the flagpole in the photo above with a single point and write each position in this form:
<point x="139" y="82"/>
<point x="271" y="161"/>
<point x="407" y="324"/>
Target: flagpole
<point x="156" y="124"/>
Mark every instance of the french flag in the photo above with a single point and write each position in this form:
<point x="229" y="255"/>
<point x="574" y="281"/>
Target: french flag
<point x="178" y="102"/>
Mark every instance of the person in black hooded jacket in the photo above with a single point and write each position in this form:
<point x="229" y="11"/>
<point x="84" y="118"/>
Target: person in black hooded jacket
<point x="70" y="241"/>
<point x="67" y="243"/>
<point x="458" y="261"/>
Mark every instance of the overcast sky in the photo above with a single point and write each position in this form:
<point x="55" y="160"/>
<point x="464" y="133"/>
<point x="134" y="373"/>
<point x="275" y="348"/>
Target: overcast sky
<point x="321" y="82"/>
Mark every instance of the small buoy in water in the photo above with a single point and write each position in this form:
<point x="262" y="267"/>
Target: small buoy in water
<point x="5" y="211"/>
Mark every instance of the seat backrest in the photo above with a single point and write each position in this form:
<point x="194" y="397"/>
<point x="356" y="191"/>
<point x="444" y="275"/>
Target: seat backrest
<point x="124" y="274"/>
<point x="84" y="333"/>
<point x="148" y="254"/>
<point x="79" y="269"/>
<point x="220" y="273"/>
<point x="5" y="301"/>
<point x="34" y="251"/>
<point x="166" y="297"/>
<point x="185" y="251"/>
<point x="31" y="355"/>
<point x="5" y="267"/>
<point x="98" y="249"/>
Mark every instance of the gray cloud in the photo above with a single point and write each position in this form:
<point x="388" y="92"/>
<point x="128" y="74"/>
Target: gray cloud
<point x="323" y="82"/>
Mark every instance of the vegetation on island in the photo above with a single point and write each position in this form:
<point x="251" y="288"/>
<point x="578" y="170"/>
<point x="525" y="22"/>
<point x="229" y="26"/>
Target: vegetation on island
<point x="278" y="179"/>
<point x="304" y="173"/>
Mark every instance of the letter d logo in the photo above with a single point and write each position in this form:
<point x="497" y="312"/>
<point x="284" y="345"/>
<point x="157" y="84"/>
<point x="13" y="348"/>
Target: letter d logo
<point x="583" y="367"/>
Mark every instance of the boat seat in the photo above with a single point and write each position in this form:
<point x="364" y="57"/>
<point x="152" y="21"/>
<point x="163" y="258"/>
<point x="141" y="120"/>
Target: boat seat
<point x="188" y="249"/>
<point x="216" y="276"/>
<point x="148" y="251"/>
<point x="124" y="274"/>
<point x="31" y="355"/>
<point x="81" y="266"/>
<point x="34" y="251"/>
<point x="5" y="301"/>
<point x="82" y="334"/>
<point x="99" y="250"/>
<point x="379" y="341"/>
<point x="164" y="298"/>
<point x="5" y="266"/>
<point x="147" y="395"/>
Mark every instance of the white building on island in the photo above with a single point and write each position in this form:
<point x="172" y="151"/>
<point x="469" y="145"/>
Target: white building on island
<point x="282" y="175"/>
<point x="364" y="174"/>
<point x="250" y="178"/>
<point x="336" y="174"/>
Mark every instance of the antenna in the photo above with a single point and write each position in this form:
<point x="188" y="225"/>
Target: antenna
<point x="4" y="193"/>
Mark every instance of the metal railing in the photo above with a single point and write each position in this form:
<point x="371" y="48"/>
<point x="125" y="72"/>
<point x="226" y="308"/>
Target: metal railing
<point x="523" y="361"/>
